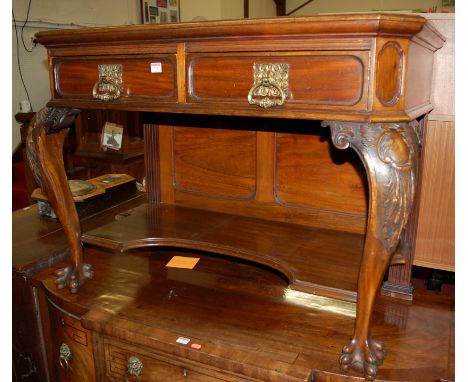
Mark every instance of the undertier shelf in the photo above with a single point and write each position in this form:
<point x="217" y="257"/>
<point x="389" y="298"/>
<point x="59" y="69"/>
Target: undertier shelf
<point x="313" y="260"/>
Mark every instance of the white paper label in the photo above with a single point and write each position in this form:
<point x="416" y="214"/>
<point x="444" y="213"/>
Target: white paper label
<point x="156" y="67"/>
<point x="183" y="340"/>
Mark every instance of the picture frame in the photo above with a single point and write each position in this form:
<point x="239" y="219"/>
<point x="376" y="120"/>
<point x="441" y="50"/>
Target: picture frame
<point x="160" y="11"/>
<point x="112" y="136"/>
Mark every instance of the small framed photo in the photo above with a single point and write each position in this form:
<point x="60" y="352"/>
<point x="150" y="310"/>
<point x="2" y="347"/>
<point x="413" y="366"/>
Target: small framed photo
<point x="160" y="11"/>
<point x="112" y="135"/>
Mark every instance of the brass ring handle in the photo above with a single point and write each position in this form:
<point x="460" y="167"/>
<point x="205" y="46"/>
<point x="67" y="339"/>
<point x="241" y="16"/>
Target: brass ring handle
<point x="64" y="363"/>
<point x="113" y="93"/>
<point x="134" y="368"/>
<point x="266" y="101"/>
<point x="65" y="356"/>
<point x="270" y="84"/>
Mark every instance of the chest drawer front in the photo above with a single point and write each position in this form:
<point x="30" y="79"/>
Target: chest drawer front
<point x="156" y="367"/>
<point x="317" y="79"/>
<point x="72" y="349"/>
<point x="144" y="77"/>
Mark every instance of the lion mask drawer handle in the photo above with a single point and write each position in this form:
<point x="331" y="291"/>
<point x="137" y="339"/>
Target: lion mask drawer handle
<point x="134" y="368"/>
<point x="65" y="356"/>
<point x="271" y="85"/>
<point x="109" y="86"/>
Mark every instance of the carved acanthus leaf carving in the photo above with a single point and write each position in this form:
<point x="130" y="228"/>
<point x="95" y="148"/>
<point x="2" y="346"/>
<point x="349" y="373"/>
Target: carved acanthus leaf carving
<point x="50" y="120"/>
<point x="389" y="153"/>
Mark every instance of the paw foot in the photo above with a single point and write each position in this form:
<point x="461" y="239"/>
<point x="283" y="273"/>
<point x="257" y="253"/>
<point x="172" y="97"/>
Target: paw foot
<point x="363" y="359"/>
<point x="378" y="349"/>
<point x="72" y="277"/>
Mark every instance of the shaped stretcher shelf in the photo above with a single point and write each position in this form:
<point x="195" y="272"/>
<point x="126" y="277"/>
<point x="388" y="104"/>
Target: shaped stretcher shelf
<point x="314" y="260"/>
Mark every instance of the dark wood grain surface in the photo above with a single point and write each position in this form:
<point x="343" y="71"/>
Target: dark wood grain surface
<point x="313" y="79"/>
<point x="244" y="315"/>
<point x="136" y="79"/>
<point x="210" y="71"/>
<point x="39" y="242"/>
<point x="302" y="254"/>
<point x="283" y="170"/>
<point x="246" y="319"/>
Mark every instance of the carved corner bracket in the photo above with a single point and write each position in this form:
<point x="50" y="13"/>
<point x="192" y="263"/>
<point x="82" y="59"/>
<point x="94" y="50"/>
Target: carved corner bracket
<point x="390" y="153"/>
<point x="44" y="148"/>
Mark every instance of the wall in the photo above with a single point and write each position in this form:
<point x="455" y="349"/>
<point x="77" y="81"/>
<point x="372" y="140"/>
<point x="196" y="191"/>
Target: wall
<point x="225" y="9"/>
<point x="262" y="8"/>
<point x="337" y="6"/>
<point x="200" y="9"/>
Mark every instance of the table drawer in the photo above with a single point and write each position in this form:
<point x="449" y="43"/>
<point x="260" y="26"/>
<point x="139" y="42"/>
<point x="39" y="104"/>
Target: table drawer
<point x="318" y="79"/>
<point x="157" y="367"/>
<point x="121" y="77"/>
<point x="71" y="348"/>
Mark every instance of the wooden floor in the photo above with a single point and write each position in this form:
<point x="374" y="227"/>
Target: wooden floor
<point x="249" y="322"/>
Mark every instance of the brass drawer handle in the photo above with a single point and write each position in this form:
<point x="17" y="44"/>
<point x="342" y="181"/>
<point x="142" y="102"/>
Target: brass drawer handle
<point x="65" y="356"/>
<point x="271" y="85"/>
<point x="134" y="368"/>
<point x="110" y="85"/>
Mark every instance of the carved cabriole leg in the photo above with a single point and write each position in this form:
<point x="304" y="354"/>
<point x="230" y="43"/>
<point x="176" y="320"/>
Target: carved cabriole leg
<point x="398" y="284"/>
<point x="389" y="152"/>
<point x="46" y="136"/>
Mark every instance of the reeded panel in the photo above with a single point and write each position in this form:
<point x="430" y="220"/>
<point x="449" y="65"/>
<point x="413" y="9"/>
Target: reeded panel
<point x="215" y="162"/>
<point x="330" y="79"/>
<point x="148" y="76"/>
<point x="312" y="174"/>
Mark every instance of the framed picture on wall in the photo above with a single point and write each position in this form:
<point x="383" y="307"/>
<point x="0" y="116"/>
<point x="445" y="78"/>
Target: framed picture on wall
<point x="160" y="11"/>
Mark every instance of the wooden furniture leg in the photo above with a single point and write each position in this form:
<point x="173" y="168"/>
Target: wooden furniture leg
<point x="390" y="155"/>
<point x="46" y="136"/>
<point x="398" y="284"/>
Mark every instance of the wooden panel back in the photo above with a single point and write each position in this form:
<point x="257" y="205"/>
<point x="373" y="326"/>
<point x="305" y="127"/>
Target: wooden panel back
<point x="89" y="128"/>
<point x="274" y="169"/>
<point x="207" y="164"/>
<point x="311" y="174"/>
